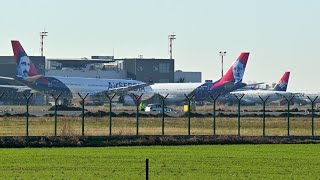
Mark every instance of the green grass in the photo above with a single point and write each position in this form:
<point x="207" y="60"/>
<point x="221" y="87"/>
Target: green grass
<point x="165" y="162"/>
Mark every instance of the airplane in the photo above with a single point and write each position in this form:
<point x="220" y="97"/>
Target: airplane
<point x="69" y="87"/>
<point x="278" y="92"/>
<point x="176" y="92"/>
<point x="302" y="98"/>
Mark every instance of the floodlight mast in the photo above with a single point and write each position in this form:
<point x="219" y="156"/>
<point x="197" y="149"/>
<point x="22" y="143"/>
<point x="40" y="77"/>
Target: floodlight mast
<point x="222" y="54"/>
<point x="43" y="34"/>
<point x="171" y="38"/>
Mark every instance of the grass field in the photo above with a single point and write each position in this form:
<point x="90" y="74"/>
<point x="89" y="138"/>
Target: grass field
<point x="97" y="126"/>
<point x="165" y="162"/>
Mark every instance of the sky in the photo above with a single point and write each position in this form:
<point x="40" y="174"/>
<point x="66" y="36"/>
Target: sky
<point x="280" y="35"/>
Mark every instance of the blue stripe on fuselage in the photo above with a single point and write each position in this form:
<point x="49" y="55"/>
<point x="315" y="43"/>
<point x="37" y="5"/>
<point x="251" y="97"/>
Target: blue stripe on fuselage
<point x="204" y="91"/>
<point x="48" y="86"/>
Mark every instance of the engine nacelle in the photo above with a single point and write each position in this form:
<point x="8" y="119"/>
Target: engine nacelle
<point x="128" y="100"/>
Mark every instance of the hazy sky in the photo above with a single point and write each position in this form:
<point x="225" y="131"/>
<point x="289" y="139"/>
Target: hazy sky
<point x="280" y="34"/>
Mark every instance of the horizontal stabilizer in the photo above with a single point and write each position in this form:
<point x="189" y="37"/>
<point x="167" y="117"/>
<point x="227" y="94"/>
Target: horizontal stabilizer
<point x="19" y="88"/>
<point x="32" y="78"/>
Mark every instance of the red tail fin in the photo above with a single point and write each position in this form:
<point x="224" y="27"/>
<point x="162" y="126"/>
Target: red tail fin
<point x="285" y="77"/>
<point x="23" y="63"/>
<point x="236" y="71"/>
<point x="283" y="83"/>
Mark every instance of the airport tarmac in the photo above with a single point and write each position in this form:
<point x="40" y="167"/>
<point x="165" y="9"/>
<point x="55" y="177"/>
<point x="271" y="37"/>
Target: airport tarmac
<point x="173" y="114"/>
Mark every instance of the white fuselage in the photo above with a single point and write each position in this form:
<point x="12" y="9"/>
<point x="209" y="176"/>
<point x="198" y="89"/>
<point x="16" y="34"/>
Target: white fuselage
<point x="95" y="86"/>
<point x="253" y="95"/>
<point x="91" y="86"/>
<point x="176" y="91"/>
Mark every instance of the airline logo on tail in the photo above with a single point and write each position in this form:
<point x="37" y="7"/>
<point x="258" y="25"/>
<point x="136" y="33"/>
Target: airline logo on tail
<point x="283" y="83"/>
<point x="235" y="72"/>
<point x="25" y="67"/>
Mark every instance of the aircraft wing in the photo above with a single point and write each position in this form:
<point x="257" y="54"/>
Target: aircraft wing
<point x="120" y="90"/>
<point x="29" y="79"/>
<point x="10" y="80"/>
<point x="19" y="88"/>
<point x="254" y="84"/>
<point x="7" y="78"/>
<point x="288" y="94"/>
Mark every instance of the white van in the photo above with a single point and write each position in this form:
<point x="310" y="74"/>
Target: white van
<point x="157" y="107"/>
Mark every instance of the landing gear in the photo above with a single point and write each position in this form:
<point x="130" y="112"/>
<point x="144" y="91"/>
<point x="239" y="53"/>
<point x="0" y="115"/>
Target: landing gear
<point x="66" y="102"/>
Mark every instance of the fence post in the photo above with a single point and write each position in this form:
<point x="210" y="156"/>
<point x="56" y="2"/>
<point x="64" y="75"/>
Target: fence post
<point x="110" y="112"/>
<point x="239" y="97"/>
<point x="264" y="115"/>
<point x="83" y="98"/>
<point x="55" y="112"/>
<point x="163" y="98"/>
<point x="214" y="98"/>
<point x="289" y="99"/>
<point x="1" y="95"/>
<point x="312" y="107"/>
<point x="137" y="111"/>
<point x="27" y="114"/>
<point x="189" y="98"/>
<point x="147" y="169"/>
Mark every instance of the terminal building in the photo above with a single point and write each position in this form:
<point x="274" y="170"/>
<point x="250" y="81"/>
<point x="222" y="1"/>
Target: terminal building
<point x="96" y="67"/>
<point x="148" y="70"/>
<point x="187" y="77"/>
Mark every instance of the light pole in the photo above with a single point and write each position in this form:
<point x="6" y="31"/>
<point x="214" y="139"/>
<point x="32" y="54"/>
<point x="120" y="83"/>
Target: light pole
<point x="222" y="54"/>
<point x="171" y="38"/>
<point x="42" y="35"/>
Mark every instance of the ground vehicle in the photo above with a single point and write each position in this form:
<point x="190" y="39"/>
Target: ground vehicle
<point x="157" y="107"/>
